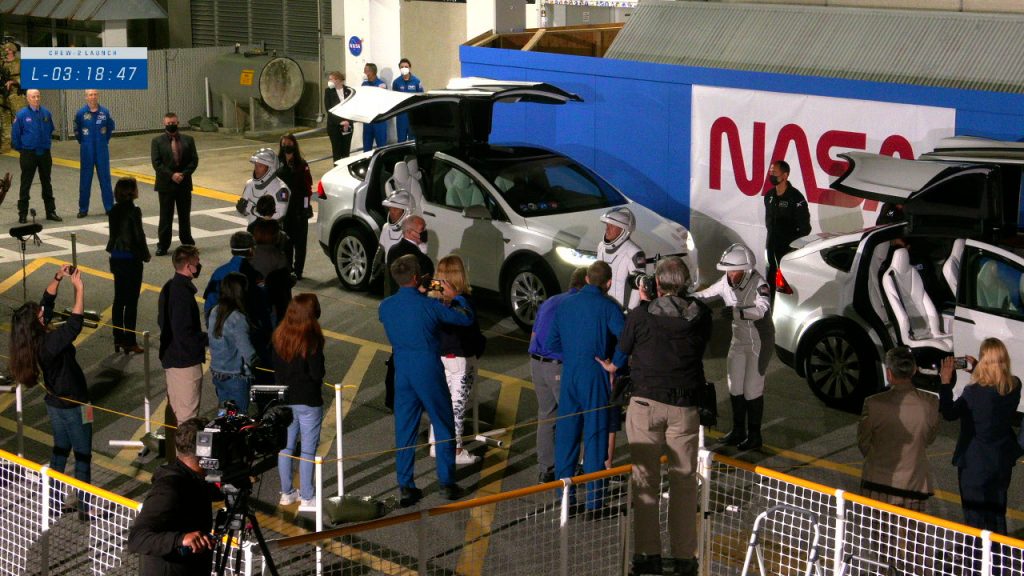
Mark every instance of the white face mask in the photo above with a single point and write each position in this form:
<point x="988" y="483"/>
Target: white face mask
<point x="365" y="77"/>
<point x="405" y="71"/>
<point x="331" y="84"/>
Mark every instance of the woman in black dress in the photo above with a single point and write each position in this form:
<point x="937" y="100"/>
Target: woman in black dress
<point x="294" y="171"/>
<point x="128" y="250"/>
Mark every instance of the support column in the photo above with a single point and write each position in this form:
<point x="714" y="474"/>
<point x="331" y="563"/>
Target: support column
<point x="115" y="33"/>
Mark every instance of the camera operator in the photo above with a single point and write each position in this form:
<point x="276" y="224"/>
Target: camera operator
<point x="747" y="300"/>
<point x="172" y="533"/>
<point x="666" y="341"/>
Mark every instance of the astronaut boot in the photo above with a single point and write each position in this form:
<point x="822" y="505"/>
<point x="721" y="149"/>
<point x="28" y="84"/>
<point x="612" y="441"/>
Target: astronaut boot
<point x="681" y="567"/>
<point x="646" y="564"/>
<point x="755" y="411"/>
<point x="739" y="421"/>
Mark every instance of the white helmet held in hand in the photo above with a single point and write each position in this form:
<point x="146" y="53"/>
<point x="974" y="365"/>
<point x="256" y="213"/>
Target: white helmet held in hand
<point x="268" y="158"/>
<point x="403" y="201"/>
<point x="621" y="218"/>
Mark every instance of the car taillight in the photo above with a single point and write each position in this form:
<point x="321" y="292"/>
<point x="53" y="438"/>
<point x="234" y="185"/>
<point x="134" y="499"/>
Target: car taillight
<point x="780" y="283"/>
<point x="320" y="190"/>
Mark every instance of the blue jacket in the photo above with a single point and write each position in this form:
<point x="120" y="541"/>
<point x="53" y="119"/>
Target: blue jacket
<point x="412" y="321"/>
<point x="587" y="326"/>
<point x="93" y="127"/>
<point x="542" y="325"/>
<point x="411" y="85"/>
<point x="233" y="352"/>
<point x="32" y="130"/>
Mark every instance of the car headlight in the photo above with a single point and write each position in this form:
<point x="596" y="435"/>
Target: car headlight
<point x="576" y="257"/>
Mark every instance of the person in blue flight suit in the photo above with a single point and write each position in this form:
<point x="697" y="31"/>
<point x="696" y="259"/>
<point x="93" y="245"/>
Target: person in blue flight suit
<point x="412" y="322"/>
<point x="586" y="326"/>
<point x="405" y="83"/>
<point x="374" y="131"/>
<point x="93" y="128"/>
<point x="30" y="136"/>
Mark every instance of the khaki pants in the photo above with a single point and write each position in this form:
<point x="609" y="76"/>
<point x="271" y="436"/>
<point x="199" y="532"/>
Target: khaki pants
<point x="184" y="387"/>
<point x="654" y="429"/>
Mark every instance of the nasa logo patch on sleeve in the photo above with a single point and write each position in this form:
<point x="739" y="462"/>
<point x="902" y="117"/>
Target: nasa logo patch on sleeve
<point x="282" y="195"/>
<point x="764" y="290"/>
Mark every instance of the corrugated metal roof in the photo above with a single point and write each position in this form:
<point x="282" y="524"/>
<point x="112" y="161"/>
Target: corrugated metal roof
<point x="931" y="48"/>
<point x="84" y="9"/>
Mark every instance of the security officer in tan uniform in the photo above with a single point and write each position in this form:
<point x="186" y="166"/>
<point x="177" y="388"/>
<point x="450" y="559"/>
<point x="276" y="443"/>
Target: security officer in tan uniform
<point x="13" y="98"/>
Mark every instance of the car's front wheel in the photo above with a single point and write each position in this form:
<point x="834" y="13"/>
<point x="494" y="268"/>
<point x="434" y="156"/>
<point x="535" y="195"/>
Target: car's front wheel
<point x="840" y="367"/>
<point x="528" y="285"/>
<point x="353" y="255"/>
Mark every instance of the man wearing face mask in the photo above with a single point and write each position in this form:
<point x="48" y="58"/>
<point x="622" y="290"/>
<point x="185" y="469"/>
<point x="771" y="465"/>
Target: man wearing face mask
<point x="264" y="182"/>
<point x="414" y="241"/>
<point x="405" y="83"/>
<point x="182" y="340"/>
<point x="339" y="130"/>
<point x="374" y="132"/>
<point x="786" y="216"/>
<point x="174" y="159"/>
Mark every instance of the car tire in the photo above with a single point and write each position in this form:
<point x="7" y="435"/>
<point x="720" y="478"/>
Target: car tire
<point x="353" y="253"/>
<point x="841" y="367"/>
<point x="526" y="287"/>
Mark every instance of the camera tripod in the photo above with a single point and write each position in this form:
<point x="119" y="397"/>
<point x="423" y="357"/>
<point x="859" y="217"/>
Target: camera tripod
<point x="238" y="521"/>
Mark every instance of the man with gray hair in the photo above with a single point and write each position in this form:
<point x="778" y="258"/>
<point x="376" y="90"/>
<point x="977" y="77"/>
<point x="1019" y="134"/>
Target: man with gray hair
<point x="895" y="429"/>
<point x="665" y="342"/>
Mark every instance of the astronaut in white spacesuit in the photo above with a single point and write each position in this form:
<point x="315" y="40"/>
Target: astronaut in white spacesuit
<point x="620" y="253"/>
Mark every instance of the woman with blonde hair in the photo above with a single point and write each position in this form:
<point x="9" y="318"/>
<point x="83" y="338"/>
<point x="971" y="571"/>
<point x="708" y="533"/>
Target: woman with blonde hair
<point x="987" y="447"/>
<point x="461" y="346"/>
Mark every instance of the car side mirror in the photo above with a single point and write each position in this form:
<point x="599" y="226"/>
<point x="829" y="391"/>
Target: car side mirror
<point x="476" y="212"/>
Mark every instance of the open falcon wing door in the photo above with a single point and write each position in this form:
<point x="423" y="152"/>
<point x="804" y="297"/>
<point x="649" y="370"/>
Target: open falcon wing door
<point x="459" y="114"/>
<point x="942" y="198"/>
<point x="974" y="149"/>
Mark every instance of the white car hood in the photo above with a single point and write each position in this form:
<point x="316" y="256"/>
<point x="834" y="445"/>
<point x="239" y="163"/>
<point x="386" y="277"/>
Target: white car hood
<point x="584" y="230"/>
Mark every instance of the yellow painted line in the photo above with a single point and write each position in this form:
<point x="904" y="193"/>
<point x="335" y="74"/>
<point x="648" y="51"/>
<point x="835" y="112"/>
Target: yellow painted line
<point x="479" y="525"/>
<point x="148" y="179"/>
<point x="350" y="387"/>
<point x="15" y="279"/>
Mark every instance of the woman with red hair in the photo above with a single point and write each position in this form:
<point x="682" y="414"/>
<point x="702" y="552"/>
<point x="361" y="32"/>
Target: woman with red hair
<point x="299" y="365"/>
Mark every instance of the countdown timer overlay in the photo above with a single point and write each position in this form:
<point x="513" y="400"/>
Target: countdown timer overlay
<point x="111" y="68"/>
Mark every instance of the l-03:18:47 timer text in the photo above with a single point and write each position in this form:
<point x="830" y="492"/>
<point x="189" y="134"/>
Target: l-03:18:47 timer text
<point x="92" y="73"/>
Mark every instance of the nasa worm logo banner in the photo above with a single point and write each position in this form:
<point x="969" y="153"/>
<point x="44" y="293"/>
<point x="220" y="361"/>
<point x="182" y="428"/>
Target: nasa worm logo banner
<point x="736" y="133"/>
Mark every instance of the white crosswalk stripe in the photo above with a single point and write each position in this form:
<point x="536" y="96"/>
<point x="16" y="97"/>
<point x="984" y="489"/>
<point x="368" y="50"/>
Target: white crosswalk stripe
<point x="56" y="241"/>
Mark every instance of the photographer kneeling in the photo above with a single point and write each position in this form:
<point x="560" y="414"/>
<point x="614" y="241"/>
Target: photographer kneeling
<point x="666" y="340"/>
<point x="172" y="533"/>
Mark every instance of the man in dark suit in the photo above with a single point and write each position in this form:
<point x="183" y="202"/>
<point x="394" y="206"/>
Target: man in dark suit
<point x="339" y="130"/>
<point x="174" y="160"/>
<point x="414" y="241"/>
<point x="894" y="432"/>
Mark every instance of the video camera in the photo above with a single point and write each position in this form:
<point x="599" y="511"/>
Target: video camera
<point x="234" y="447"/>
<point x="645" y="283"/>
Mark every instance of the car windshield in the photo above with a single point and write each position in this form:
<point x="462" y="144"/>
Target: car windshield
<point x="551" y="185"/>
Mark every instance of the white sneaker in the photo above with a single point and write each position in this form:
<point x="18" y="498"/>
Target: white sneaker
<point x="307" y="505"/>
<point x="289" y="499"/>
<point x="465" y="457"/>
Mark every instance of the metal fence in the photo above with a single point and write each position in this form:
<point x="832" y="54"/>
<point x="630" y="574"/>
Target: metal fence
<point x="751" y="519"/>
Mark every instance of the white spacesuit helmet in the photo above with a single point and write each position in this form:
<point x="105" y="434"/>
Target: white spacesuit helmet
<point x="737" y="258"/>
<point x="403" y="200"/>
<point x="268" y="158"/>
<point x="622" y="218"/>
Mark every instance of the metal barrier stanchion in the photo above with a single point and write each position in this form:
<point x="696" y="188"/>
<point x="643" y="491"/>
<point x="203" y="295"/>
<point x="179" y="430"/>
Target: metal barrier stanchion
<point x="340" y="451"/>
<point x="143" y="449"/>
<point x="16" y="388"/>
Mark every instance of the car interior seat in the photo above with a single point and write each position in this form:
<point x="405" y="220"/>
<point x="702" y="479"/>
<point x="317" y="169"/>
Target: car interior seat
<point x="951" y="268"/>
<point x="920" y="325"/>
<point x="461" y="191"/>
<point x="416" y="179"/>
<point x="402" y="179"/>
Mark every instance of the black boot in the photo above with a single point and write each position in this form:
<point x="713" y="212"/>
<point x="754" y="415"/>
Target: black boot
<point x="739" y="421"/>
<point x="681" y="567"/>
<point x="755" y="411"/>
<point x="646" y="564"/>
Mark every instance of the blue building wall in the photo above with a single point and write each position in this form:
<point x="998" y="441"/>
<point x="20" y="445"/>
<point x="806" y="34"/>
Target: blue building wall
<point x="633" y="126"/>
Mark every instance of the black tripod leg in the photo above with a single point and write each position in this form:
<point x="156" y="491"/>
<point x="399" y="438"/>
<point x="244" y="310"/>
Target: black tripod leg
<point x="268" y="560"/>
